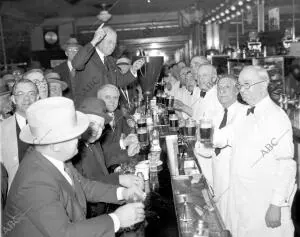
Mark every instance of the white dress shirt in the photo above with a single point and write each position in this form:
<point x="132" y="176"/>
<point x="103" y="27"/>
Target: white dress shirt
<point x="208" y="106"/>
<point x="21" y="121"/>
<point x="70" y="66"/>
<point x="262" y="170"/>
<point x="60" y="166"/>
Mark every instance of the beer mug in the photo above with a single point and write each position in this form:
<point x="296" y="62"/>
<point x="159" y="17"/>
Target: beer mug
<point x="173" y="121"/>
<point x="181" y="123"/>
<point x="141" y="123"/>
<point x="190" y="128"/>
<point x="170" y="102"/>
<point x="164" y="99"/>
<point x="206" y="130"/>
<point x="158" y="98"/>
<point x="143" y="136"/>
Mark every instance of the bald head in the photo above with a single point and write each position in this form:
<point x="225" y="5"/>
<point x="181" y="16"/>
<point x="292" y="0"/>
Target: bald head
<point x="110" y="94"/>
<point x="253" y="84"/>
<point x="108" y="44"/>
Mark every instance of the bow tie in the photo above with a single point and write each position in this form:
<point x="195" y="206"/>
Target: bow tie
<point x="202" y="93"/>
<point x="250" y="110"/>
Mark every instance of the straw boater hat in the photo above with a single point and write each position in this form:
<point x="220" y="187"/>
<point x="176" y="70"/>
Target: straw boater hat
<point x="54" y="77"/>
<point x="53" y="120"/>
<point x="71" y="43"/>
<point x="123" y="61"/>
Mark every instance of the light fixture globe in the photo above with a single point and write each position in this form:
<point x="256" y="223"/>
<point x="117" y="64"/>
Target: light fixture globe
<point x="104" y="16"/>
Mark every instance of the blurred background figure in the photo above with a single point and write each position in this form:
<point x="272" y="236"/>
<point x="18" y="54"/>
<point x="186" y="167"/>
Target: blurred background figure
<point x="37" y="77"/>
<point x="56" y="86"/>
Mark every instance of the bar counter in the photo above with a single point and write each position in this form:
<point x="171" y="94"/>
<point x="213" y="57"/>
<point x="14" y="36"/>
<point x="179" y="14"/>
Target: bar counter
<point x="164" y="204"/>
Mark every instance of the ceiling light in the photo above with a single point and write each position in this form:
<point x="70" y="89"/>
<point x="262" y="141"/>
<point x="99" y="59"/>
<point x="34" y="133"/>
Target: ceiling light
<point x="213" y="11"/>
<point x="227" y="11"/>
<point x="232" y="15"/>
<point x="238" y="13"/>
<point x="213" y="19"/>
<point x="248" y="0"/>
<point x="242" y="10"/>
<point x="240" y="3"/>
<point x="222" y="5"/>
<point x="217" y="17"/>
<point x="222" y="14"/>
<point x="248" y="7"/>
<point x="227" y="18"/>
<point x="233" y="8"/>
<point x="148" y="1"/>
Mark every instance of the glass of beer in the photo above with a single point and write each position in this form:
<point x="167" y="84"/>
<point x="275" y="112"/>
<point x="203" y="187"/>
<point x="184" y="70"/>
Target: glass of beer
<point x="170" y="102"/>
<point x="164" y="99"/>
<point x="181" y="124"/>
<point x="190" y="128"/>
<point x="174" y="125"/>
<point x="143" y="136"/>
<point x="206" y="130"/>
<point x="158" y="98"/>
<point x="141" y="123"/>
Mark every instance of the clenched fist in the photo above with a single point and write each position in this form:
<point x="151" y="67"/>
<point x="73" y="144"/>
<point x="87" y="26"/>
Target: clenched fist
<point x="137" y="65"/>
<point x="130" y="214"/>
<point x="98" y="36"/>
<point x="133" y="149"/>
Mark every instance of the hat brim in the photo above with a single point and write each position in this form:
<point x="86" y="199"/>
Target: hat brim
<point x="63" y="84"/>
<point x="56" y="136"/>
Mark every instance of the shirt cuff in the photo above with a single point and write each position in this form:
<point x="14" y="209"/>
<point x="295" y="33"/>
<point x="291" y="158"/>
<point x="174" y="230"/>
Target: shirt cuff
<point x="116" y="221"/>
<point x="133" y="73"/>
<point x="278" y="200"/>
<point x="120" y="193"/>
<point x="123" y="147"/>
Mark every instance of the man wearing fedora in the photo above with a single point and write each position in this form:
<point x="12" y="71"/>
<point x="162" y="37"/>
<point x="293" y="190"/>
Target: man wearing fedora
<point x="90" y="158"/>
<point x="24" y="93"/>
<point x="48" y="196"/>
<point x="95" y="67"/>
<point x="55" y="84"/>
<point x="65" y="69"/>
<point x="116" y="136"/>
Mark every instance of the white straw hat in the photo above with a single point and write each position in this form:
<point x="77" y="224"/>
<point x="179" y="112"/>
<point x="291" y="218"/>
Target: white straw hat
<point x="53" y="120"/>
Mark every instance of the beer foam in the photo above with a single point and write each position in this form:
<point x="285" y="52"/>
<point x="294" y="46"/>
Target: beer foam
<point x="205" y="125"/>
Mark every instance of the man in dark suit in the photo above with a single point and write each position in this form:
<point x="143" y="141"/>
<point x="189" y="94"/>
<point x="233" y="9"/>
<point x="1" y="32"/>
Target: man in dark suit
<point x="24" y="93"/>
<point x="48" y="196"/>
<point x="116" y="136"/>
<point x="65" y="69"/>
<point x="90" y="158"/>
<point x="95" y="67"/>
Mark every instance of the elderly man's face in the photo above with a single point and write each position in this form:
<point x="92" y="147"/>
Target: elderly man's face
<point x="183" y="73"/>
<point x="65" y="150"/>
<point x="25" y="95"/>
<point x="41" y="84"/>
<point x="190" y="82"/>
<point x="227" y="92"/>
<point x="111" y="98"/>
<point x="124" y="68"/>
<point x="205" y="78"/>
<point x="95" y="127"/>
<point x="71" y="52"/>
<point x="108" y="44"/>
<point x="55" y="89"/>
<point x="196" y="62"/>
<point x="248" y="78"/>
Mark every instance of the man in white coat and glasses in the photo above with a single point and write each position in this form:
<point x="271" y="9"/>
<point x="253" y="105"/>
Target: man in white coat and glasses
<point x="262" y="170"/>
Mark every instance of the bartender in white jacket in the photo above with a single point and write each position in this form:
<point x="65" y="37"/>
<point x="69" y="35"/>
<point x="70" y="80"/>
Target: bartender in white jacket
<point x="207" y="104"/>
<point x="262" y="170"/>
<point x="232" y="112"/>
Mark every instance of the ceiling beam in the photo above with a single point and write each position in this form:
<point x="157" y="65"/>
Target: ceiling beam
<point x="179" y="38"/>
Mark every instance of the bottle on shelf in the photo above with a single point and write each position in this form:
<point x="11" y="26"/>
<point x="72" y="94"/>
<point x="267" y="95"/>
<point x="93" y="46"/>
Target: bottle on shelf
<point x="201" y="229"/>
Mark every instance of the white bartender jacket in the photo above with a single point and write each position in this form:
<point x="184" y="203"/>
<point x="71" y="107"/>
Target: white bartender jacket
<point x="262" y="170"/>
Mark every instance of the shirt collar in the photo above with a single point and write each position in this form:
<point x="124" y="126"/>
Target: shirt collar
<point x="20" y="120"/>
<point x="101" y="55"/>
<point x="60" y="165"/>
<point x="70" y="65"/>
<point x="262" y="105"/>
<point x="232" y="107"/>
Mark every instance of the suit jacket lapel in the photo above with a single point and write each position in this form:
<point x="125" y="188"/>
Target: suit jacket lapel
<point x="100" y="156"/>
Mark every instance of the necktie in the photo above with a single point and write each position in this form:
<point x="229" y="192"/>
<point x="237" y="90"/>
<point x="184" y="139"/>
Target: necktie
<point x="250" y="110"/>
<point x="68" y="171"/>
<point x="202" y="93"/>
<point x="106" y="63"/>
<point x="112" y="122"/>
<point x="222" y="125"/>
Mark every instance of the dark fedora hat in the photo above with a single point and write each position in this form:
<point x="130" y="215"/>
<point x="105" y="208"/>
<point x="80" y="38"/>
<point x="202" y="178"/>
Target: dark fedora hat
<point x="92" y="105"/>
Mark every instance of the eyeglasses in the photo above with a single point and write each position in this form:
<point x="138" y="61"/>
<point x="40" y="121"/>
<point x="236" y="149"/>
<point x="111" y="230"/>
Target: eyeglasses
<point x="246" y="86"/>
<point x="31" y="94"/>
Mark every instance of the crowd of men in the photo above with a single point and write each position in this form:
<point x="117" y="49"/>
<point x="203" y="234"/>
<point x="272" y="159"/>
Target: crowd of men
<point x="68" y="136"/>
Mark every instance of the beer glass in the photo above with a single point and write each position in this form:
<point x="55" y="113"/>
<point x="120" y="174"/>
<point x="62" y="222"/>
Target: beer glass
<point x="173" y="121"/>
<point x="181" y="123"/>
<point x="206" y="130"/>
<point x="170" y="102"/>
<point x="158" y="98"/>
<point x="190" y="128"/>
<point x="164" y="99"/>
<point x="141" y="123"/>
<point x="143" y="136"/>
